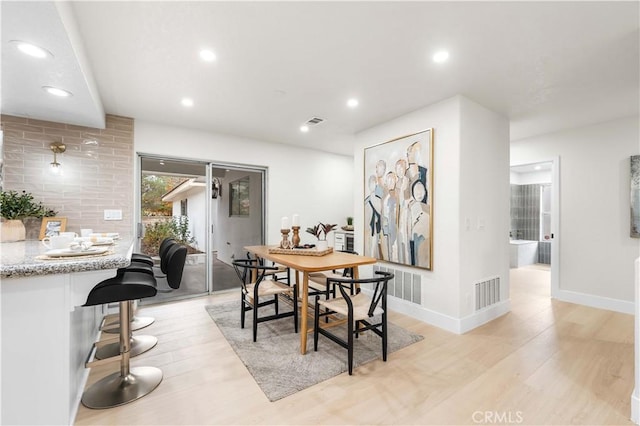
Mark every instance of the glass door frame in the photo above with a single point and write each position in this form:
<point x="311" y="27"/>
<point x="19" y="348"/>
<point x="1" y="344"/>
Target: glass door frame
<point x="208" y="165"/>
<point x="138" y="231"/>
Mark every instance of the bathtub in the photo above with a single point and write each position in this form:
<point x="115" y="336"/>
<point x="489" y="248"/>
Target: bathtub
<point x="522" y="252"/>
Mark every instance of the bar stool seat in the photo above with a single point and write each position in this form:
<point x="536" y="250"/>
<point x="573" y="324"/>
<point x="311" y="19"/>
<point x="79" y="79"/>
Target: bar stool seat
<point x="129" y="383"/>
<point x="137" y="322"/>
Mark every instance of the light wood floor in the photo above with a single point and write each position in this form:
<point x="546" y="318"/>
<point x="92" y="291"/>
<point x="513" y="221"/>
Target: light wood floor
<point x="546" y="362"/>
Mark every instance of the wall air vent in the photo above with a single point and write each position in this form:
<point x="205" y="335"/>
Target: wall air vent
<point x="314" y="121"/>
<point x="487" y="293"/>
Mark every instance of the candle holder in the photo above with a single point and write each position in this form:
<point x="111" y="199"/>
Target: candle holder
<point x="285" y="244"/>
<point x="295" y="239"/>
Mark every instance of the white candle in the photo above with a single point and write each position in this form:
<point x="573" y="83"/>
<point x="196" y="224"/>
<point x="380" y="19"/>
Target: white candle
<point x="285" y="223"/>
<point x="295" y="220"/>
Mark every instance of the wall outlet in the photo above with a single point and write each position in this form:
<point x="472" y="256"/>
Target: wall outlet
<point x="113" y="214"/>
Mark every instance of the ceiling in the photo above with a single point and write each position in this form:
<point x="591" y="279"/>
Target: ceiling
<point x="546" y="66"/>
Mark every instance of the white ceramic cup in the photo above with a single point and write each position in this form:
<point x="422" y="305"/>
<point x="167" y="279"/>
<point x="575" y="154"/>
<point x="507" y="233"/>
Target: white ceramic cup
<point x="86" y="232"/>
<point x="57" y="241"/>
<point x="71" y="235"/>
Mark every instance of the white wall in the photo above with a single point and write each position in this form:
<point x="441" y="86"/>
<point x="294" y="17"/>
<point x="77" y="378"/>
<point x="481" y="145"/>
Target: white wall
<point x="445" y="287"/>
<point x="542" y="176"/>
<point x="596" y="252"/>
<point x="315" y="184"/>
<point x="484" y="201"/>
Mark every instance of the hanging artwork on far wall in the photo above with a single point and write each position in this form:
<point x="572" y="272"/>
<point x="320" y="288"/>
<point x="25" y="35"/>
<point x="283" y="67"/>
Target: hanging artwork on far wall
<point x="398" y="203"/>
<point x="635" y="196"/>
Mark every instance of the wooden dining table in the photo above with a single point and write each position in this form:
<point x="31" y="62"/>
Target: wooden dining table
<point x="307" y="264"/>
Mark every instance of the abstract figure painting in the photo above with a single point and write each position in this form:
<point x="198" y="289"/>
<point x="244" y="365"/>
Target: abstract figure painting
<point x="398" y="203"/>
<point x="635" y="196"/>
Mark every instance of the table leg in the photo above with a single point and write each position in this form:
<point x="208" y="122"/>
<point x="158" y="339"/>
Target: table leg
<point x="304" y="306"/>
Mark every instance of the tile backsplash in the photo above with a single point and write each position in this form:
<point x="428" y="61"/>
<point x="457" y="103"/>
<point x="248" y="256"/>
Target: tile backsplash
<point x="96" y="173"/>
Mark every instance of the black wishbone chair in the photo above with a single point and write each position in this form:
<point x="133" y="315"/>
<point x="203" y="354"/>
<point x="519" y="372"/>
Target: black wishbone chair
<point x="255" y="289"/>
<point x="359" y="309"/>
<point x="318" y="281"/>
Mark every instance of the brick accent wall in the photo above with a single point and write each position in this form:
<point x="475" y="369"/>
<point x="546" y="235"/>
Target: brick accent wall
<point x="97" y="170"/>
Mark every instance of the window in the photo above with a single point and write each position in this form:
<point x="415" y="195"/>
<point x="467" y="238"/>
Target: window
<point x="239" y="197"/>
<point x="183" y="207"/>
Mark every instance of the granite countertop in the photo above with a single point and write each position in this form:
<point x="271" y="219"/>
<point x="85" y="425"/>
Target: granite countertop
<point x="20" y="259"/>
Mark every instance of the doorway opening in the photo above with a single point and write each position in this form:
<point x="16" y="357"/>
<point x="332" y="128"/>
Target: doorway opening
<point x="533" y="236"/>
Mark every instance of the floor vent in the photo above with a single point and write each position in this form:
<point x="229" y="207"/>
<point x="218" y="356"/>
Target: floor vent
<point x="487" y="293"/>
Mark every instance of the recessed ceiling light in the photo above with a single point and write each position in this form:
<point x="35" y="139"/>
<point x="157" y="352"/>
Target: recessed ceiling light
<point x="207" y="55"/>
<point x="31" y="49"/>
<point x="304" y="128"/>
<point x="57" y="92"/>
<point x="537" y="167"/>
<point x="188" y="102"/>
<point x="441" y="56"/>
<point x="352" y="103"/>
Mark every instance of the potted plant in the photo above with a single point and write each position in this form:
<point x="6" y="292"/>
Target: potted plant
<point x="320" y="231"/>
<point x="16" y="206"/>
<point x="349" y="226"/>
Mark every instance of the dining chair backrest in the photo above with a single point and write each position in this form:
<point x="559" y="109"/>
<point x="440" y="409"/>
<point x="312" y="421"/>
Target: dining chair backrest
<point x="246" y="269"/>
<point x="348" y="272"/>
<point x="379" y="295"/>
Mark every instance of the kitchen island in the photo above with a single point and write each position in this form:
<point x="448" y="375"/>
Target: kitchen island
<point x="46" y="334"/>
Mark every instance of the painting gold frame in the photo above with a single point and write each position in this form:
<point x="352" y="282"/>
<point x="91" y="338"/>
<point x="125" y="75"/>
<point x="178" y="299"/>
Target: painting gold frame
<point x="52" y="226"/>
<point x="398" y="201"/>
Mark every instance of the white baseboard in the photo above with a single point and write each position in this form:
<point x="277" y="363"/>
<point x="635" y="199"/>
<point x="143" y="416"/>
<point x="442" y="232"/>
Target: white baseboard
<point x="468" y="323"/>
<point x="423" y="314"/>
<point x="483" y="316"/>
<point x="599" y="302"/>
<point x="635" y="406"/>
<point x="446" y="322"/>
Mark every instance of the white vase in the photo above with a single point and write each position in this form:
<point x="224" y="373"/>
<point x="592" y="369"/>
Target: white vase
<point x="322" y="245"/>
<point x="12" y="230"/>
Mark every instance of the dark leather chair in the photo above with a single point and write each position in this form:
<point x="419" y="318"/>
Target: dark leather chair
<point x="172" y="265"/>
<point x="145" y="258"/>
<point x="257" y="292"/>
<point x="362" y="312"/>
<point x="128" y="384"/>
<point x="138" y="323"/>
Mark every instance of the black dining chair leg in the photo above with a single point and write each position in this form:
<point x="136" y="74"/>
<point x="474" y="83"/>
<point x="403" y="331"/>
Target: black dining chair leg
<point x="350" y="342"/>
<point x="316" y="323"/>
<point x="295" y="307"/>
<point x="255" y="319"/>
<point x="384" y="336"/>
<point x="242" y="310"/>
<point x="275" y="302"/>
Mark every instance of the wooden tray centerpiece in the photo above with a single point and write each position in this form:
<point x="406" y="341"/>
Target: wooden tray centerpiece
<point x="301" y="252"/>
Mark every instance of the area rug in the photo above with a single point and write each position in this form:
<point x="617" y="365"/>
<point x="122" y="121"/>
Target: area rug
<point x="275" y="361"/>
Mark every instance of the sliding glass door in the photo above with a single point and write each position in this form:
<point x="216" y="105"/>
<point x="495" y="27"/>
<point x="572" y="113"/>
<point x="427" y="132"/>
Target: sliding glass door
<point x="214" y="209"/>
<point x="173" y="203"/>
<point x="237" y="219"/>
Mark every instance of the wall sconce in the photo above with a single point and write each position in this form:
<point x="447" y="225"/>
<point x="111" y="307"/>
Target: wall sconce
<point x="57" y="148"/>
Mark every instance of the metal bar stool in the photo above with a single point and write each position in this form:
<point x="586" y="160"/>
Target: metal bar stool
<point x="139" y="263"/>
<point x="129" y="383"/>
